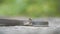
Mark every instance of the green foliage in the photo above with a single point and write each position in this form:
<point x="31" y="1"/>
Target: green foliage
<point x="31" y="8"/>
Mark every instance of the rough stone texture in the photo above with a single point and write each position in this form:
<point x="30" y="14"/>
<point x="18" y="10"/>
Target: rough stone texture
<point x="54" y="28"/>
<point x="29" y="30"/>
<point x="54" y="22"/>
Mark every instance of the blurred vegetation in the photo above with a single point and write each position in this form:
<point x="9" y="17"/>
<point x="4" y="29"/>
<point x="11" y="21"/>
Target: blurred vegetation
<point x="31" y="8"/>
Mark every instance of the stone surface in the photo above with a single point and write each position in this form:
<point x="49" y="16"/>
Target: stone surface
<point x="29" y="30"/>
<point x="54" y="28"/>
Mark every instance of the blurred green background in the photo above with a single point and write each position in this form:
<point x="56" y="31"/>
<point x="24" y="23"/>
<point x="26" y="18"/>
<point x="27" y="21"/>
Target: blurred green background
<point x="31" y="8"/>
